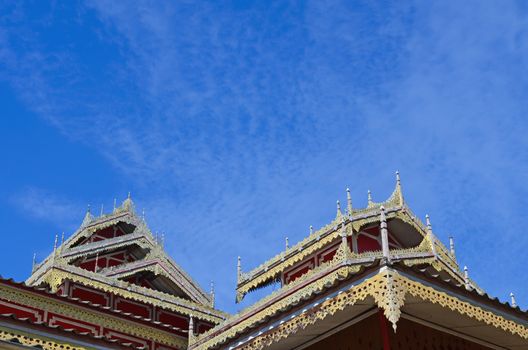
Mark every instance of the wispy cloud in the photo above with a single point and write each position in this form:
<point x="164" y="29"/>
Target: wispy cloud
<point x="45" y="205"/>
<point x="239" y="125"/>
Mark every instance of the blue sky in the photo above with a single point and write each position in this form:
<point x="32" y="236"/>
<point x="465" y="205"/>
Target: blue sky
<point x="237" y="123"/>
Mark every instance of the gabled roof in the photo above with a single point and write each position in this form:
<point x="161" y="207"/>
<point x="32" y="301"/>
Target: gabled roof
<point x="327" y="298"/>
<point x="431" y="249"/>
<point x="152" y="259"/>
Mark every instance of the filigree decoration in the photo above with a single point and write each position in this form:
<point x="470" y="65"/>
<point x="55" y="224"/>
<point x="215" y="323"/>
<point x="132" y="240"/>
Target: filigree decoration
<point x="434" y="296"/>
<point x="388" y="288"/>
<point x="360" y="218"/>
<point x="54" y="279"/>
<point x="91" y="316"/>
<point x="390" y="298"/>
<point x="30" y="340"/>
<point x="263" y="309"/>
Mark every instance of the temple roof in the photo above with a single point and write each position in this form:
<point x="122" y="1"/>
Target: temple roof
<point x="396" y="288"/>
<point x="424" y="246"/>
<point x="169" y="284"/>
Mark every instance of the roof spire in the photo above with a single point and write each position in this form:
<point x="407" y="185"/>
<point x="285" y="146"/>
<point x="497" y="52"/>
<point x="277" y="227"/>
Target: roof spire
<point x="212" y="293"/>
<point x="452" y="246"/>
<point x="338" y="209"/>
<point x="349" y="201"/>
<point x="239" y="269"/>
<point x="399" y="192"/>
<point x="287" y="243"/>
<point x="55" y="244"/>
<point x="162" y="240"/>
<point x="102" y="210"/>
<point x="115" y="204"/>
<point x="62" y="238"/>
<point x="369" y="198"/>
<point x="430" y="234"/>
<point x="512" y="300"/>
<point x="143" y="214"/>
<point x="428" y="223"/>
<point x="311" y="229"/>
<point x="34" y="263"/>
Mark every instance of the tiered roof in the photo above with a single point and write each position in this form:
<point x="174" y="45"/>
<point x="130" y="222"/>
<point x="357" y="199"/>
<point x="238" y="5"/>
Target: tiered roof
<point x="169" y="286"/>
<point x="419" y="278"/>
<point x="427" y="248"/>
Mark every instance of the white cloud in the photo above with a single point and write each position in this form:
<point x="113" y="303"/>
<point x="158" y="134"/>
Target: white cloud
<point x="45" y="205"/>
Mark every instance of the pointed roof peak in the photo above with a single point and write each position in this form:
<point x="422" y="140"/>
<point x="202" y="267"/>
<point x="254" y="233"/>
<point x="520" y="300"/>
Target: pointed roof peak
<point x="338" y="205"/>
<point x="369" y="198"/>
<point x="349" y="201"/>
<point x="398" y="194"/>
<point x="88" y="217"/>
<point x="128" y="204"/>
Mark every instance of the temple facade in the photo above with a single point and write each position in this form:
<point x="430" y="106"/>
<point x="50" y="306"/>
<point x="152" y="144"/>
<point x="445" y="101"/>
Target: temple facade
<point x="373" y="278"/>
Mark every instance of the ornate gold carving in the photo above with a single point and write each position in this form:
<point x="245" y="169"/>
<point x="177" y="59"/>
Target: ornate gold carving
<point x="85" y="314"/>
<point x="166" y="301"/>
<point x="31" y="340"/>
<point x="388" y="288"/>
<point x="294" y="298"/>
<point x="272" y="268"/>
<point x="448" y="301"/>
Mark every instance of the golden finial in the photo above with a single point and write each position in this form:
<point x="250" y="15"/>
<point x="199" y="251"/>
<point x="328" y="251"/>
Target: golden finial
<point x="466" y="277"/>
<point x="428" y="223"/>
<point x="398" y="188"/>
<point x="512" y="300"/>
<point x="239" y="269"/>
<point x="369" y="198"/>
<point x="349" y="201"/>
<point x="287" y="243"/>
<point x="55" y="244"/>
<point x="452" y="246"/>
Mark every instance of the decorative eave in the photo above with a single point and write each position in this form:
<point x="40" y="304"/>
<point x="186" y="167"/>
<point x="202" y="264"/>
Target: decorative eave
<point x="386" y="287"/>
<point x="142" y="236"/>
<point x="57" y="275"/>
<point x="353" y="221"/>
<point x="40" y="299"/>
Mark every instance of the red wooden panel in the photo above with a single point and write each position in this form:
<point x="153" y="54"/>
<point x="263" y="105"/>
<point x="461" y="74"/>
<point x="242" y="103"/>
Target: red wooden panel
<point x="90" y="295"/>
<point x="133" y="308"/>
<point x="20" y="311"/>
<point x="70" y="323"/>
<point x="125" y="338"/>
<point x="367" y="244"/>
<point x="298" y="271"/>
<point x="173" y="319"/>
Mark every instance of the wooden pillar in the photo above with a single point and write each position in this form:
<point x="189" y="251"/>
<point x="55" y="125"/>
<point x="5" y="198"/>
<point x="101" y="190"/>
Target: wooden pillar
<point x="384" y="328"/>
